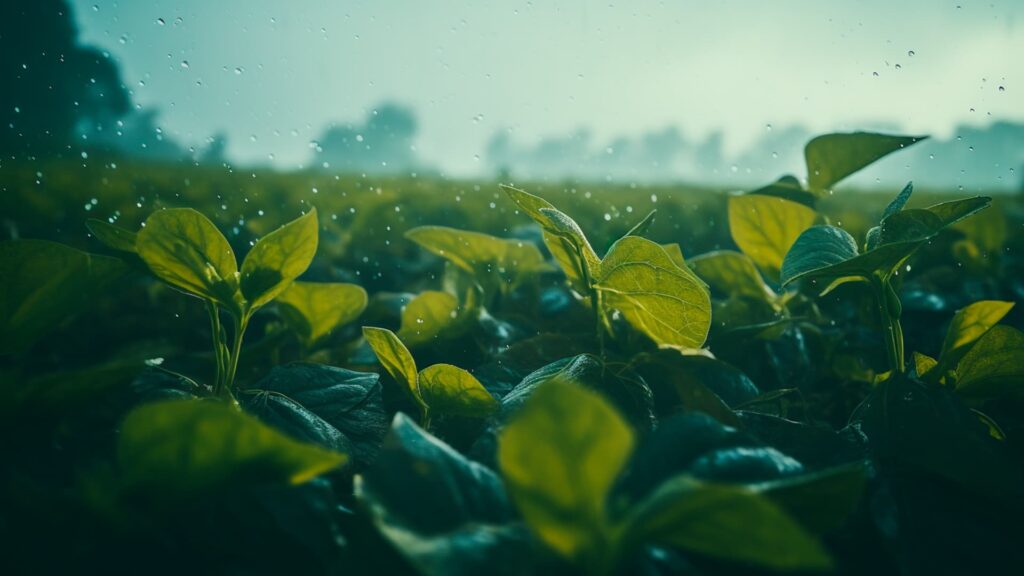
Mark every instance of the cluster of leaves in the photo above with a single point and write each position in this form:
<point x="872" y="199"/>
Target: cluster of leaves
<point x="631" y="412"/>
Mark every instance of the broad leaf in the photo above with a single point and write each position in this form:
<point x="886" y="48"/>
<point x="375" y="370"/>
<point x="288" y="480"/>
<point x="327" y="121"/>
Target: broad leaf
<point x="113" y="237"/>
<point x="667" y="303"/>
<point x="729" y="523"/>
<point x="452" y="390"/>
<point x="189" y="447"/>
<point x="641" y="227"/>
<point x="277" y="259"/>
<point x="832" y="157"/>
<point x="560" y="455"/>
<point x="764" y="228"/>
<point x="43" y="283"/>
<point x="183" y="248"/>
<point x="481" y="254"/>
<point x="729" y="272"/>
<point x="316" y="309"/>
<point x="821" y="501"/>
<point x="994" y="366"/>
<point x="396" y="359"/>
<point x="968" y="325"/>
<point x="428" y="316"/>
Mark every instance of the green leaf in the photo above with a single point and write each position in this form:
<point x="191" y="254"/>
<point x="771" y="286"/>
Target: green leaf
<point x="428" y="316"/>
<point x="994" y="366"/>
<point x="452" y="390"/>
<point x="899" y="201"/>
<point x="315" y="309"/>
<point x="43" y="283"/>
<point x="968" y="325"/>
<point x="726" y="522"/>
<point x="831" y="253"/>
<point x="956" y="210"/>
<point x="183" y="248"/>
<point x="923" y="364"/>
<point x="559" y="455"/>
<point x="111" y="236"/>
<point x="396" y="359"/>
<point x="277" y="259"/>
<point x="788" y="188"/>
<point x="729" y="272"/>
<point x="764" y="228"/>
<point x="669" y="304"/>
<point x="562" y="235"/>
<point x="481" y="254"/>
<point x="190" y="447"/>
<point x="832" y="157"/>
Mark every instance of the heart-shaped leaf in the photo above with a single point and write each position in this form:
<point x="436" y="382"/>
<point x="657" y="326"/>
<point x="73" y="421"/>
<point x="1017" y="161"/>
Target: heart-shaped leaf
<point x="669" y="304"/>
<point x="396" y="359"/>
<point x="183" y="248"/>
<point x="315" y="309"/>
<point x="452" y="390"/>
<point x="729" y="272"/>
<point x="277" y="259"/>
<point x="764" y="228"/>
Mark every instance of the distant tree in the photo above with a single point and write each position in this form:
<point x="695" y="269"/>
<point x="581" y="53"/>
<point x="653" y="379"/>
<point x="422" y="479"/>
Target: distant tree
<point x="382" y="144"/>
<point x="52" y="85"/>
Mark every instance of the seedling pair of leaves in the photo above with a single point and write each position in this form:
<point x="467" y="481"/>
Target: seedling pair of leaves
<point x="649" y="285"/>
<point x="980" y="359"/>
<point x="766" y="222"/>
<point x="561" y="455"/>
<point x="185" y="250"/>
<point x="830" y="256"/>
<point x="441" y="388"/>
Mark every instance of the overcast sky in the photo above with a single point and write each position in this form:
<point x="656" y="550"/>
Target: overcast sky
<point x="272" y="74"/>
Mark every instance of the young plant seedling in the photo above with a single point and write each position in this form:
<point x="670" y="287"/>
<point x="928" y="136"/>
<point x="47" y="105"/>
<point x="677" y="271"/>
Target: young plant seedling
<point x="648" y="284"/>
<point x="439" y="388"/>
<point x="185" y="250"/>
<point x="830" y="255"/>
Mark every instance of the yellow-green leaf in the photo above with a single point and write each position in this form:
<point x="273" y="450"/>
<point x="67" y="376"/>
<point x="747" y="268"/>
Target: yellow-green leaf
<point x="668" y="303"/>
<point x="279" y="258"/>
<point x="765" y="227"/>
<point x="726" y="522"/>
<point x="969" y="324"/>
<point x="451" y="390"/>
<point x="994" y="366"/>
<point x="832" y="157"/>
<point x="427" y="316"/>
<point x="481" y="254"/>
<point x="192" y="447"/>
<point x="560" y="455"/>
<point x="111" y="236"/>
<point x="396" y="359"/>
<point x="731" y="272"/>
<point x="43" y="283"/>
<point x="183" y="248"/>
<point x="923" y="363"/>
<point x="315" y="309"/>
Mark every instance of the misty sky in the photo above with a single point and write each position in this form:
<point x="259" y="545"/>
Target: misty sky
<point x="273" y="74"/>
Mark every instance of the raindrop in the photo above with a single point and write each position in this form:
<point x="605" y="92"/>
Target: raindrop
<point x="161" y="21"/>
<point x="184" y="63"/>
<point x="239" y="70"/>
<point x="1002" y="88"/>
<point x="910" y="53"/>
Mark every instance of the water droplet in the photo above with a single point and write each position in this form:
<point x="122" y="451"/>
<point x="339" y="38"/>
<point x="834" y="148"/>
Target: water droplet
<point x="875" y="74"/>
<point x="160" y="21"/>
<point x="184" y="63"/>
<point x="1002" y="88"/>
<point x="239" y="70"/>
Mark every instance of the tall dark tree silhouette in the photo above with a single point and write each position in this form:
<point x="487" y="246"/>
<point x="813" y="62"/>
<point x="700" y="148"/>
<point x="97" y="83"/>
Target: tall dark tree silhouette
<point x="52" y="85"/>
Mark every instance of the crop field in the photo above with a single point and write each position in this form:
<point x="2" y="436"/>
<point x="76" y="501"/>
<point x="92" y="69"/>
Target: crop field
<point x="237" y="371"/>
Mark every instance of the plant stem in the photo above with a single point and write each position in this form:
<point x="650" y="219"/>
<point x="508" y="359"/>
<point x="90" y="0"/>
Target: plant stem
<point x="216" y="334"/>
<point x="236" y="351"/>
<point x="595" y="300"/>
<point x="889" y="317"/>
